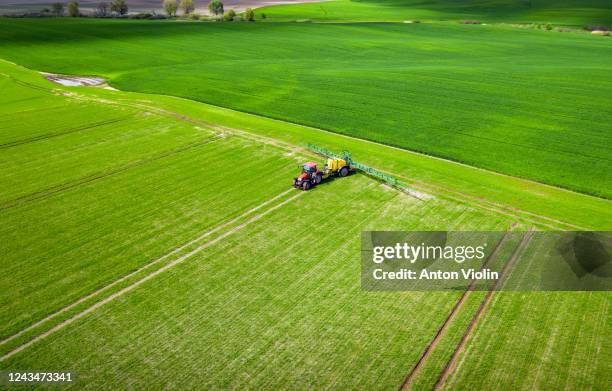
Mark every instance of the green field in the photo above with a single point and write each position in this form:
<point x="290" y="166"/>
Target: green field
<point x="150" y="238"/>
<point x="563" y="12"/>
<point x="533" y="104"/>
<point x="249" y="299"/>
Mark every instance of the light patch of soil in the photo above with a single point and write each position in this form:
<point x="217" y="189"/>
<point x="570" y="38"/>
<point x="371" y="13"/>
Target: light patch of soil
<point x="77" y="81"/>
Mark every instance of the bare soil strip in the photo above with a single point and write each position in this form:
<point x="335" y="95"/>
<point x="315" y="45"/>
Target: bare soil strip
<point x="451" y="315"/>
<point x="146" y="278"/>
<point x="77" y="81"/>
<point x="480" y="311"/>
<point x="45" y="193"/>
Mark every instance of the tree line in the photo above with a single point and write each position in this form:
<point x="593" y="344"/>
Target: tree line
<point x="171" y="7"/>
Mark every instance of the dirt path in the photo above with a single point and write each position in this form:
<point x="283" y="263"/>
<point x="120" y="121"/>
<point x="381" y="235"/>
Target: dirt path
<point x="451" y="315"/>
<point x="148" y="276"/>
<point x="480" y="311"/>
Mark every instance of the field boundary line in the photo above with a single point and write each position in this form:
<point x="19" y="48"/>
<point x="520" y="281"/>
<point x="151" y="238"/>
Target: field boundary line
<point x="448" y="368"/>
<point x="144" y="279"/>
<point x="50" y="191"/>
<point x="142" y="268"/>
<point x="451" y="315"/>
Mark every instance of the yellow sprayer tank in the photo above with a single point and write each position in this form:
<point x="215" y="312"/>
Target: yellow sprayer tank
<point x="335" y="164"/>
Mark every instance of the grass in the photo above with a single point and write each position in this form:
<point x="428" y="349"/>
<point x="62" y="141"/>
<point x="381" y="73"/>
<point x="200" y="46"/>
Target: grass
<point x="275" y="303"/>
<point x="531" y="104"/>
<point x="568" y="12"/>
<point x="250" y="307"/>
<point x="139" y="214"/>
<point x="538" y="340"/>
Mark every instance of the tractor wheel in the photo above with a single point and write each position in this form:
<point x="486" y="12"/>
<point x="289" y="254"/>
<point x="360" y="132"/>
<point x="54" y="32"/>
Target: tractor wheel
<point x="306" y="185"/>
<point x="343" y="172"/>
<point x="318" y="179"/>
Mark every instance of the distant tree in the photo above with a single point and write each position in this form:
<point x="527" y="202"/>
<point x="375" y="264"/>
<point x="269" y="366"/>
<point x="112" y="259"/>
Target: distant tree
<point x="102" y="9"/>
<point x="170" y="6"/>
<point x="249" y="15"/>
<point x="263" y="16"/>
<point x="229" y="15"/>
<point x="73" y="8"/>
<point x="215" y="7"/>
<point x="187" y="6"/>
<point x="119" y="6"/>
<point x="58" y="8"/>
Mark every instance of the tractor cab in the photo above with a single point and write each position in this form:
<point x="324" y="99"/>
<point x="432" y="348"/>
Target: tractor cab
<point x="309" y="168"/>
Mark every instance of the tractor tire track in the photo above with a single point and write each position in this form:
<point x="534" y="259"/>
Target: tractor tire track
<point x="451" y="315"/>
<point x="480" y="311"/>
<point x="147" y="277"/>
<point x="142" y="268"/>
<point x="53" y="190"/>
<point x="58" y="134"/>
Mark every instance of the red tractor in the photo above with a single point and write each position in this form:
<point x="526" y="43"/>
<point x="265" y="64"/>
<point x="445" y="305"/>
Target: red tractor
<point x="309" y="177"/>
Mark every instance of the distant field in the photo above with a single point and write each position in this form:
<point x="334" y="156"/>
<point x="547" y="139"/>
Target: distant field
<point x="567" y="12"/>
<point x="533" y="104"/>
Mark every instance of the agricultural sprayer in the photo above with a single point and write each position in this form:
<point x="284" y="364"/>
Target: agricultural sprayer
<point x="337" y="164"/>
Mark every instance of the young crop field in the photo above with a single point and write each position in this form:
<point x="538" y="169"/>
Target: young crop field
<point x="532" y="104"/>
<point x="567" y="12"/>
<point x="150" y="237"/>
